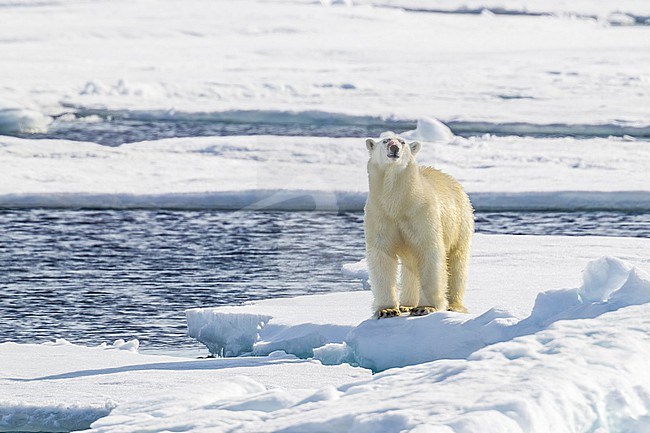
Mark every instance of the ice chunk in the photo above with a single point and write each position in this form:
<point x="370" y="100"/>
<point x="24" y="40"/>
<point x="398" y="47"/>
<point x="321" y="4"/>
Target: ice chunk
<point x="383" y="344"/>
<point x="602" y="277"/>
<point x="225" y="334"/>
<point x="333" y="354"/>
<point x="18" y="119"/>
<point x="131" y="345"/>
<point x="293" y="325"/>
<point x="550" y="303"/>
<point x="357" y="270"/>
<point x="635" y="290"/>
<point x="621" y="19"/>
<point x="430" y="129"/>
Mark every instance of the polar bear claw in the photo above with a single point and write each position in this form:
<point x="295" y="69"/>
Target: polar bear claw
<point x="388" y="312"/>
<point x="422" y="311"/>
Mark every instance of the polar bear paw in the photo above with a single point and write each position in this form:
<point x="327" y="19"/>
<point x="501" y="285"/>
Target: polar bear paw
<point x="405" y="309"/>
<point x="458" y="308"/>
<point x="388" y="312"/>
<point x="422" y="310"/>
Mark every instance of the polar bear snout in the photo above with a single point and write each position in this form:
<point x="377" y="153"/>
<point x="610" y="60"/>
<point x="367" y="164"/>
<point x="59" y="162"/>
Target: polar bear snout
<point x="393" y="147"/>
<point x="393" y="150"/>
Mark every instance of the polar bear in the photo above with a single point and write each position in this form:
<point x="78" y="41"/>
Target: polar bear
<point x="421" y="217"/>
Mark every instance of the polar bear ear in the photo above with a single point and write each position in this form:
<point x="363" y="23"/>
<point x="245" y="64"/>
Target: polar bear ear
<point x="415" y="147"/>
<point x="370" y="144"/>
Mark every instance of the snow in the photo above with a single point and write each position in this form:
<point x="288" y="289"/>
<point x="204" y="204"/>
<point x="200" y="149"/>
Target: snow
<point x="64" y="387"/>
<point x="455" y="336"/>
<point x="500" y="288"/>
<point x="261" y="61"/>
<point x="295" y="326"/>
<point x="267" y="56"/>
<point x="578" y="363"/>
<point x="307" y="173"/>
<point x="543" y="350"/>
<point x="576" y="376"/>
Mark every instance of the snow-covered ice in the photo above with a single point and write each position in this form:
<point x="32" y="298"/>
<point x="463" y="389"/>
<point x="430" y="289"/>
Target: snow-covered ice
<point x="262" y="61"/>
<point x="271" y="172"/>
<point x="577" y="363"/>
<point x="609" y="285"/>
<point x="576" y="376"/>
<point x="295" y="326"/>
<point x="506" y="274"/>
<point x="293" y="57"/>
<point x="65" y="387"/>
<point x="638" y="10"/>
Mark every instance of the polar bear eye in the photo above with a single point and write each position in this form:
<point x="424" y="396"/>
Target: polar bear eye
<point x="402" y="141"/>
<point x="385" y="140"/>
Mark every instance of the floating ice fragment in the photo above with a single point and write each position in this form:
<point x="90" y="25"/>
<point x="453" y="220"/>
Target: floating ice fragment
<point x="621" y="19"/>
<point x="225" y="334"/>
<point x="332" y="353"/>
<point x="430" y="129"/>
<point x="22" y="120"/>
<point x="131" y="345"/>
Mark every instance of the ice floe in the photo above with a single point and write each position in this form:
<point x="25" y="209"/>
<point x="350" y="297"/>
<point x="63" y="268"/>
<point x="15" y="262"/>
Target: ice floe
<point x="63" y="387"/>
<point x="575" y="360"/>
<point x="501" y="293"/>
<point x="581" y="364"/>
<point x="455" y="336"/>
<point x="466" y="65"/>
<point x="316" y="173"/>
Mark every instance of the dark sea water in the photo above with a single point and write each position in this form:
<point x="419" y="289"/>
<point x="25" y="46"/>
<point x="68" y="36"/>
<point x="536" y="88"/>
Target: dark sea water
<point x="116" y="128"/>
<point x="96" y="276"/>
<point x="113" y="128"/>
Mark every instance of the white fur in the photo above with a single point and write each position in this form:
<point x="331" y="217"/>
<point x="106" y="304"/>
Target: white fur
<point x="421" y="217"/>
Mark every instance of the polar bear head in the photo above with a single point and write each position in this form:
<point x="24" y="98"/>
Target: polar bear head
<point x="392" y="151"/>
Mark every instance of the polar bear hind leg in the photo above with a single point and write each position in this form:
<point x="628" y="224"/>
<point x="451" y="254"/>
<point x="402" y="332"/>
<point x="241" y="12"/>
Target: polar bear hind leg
<point x="458" y="264"/>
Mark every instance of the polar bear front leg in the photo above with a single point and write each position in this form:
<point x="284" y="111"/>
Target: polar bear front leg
<point x="382" y="270"/>
<point x="433" y="279"/>
<point x="409" y="295"/>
